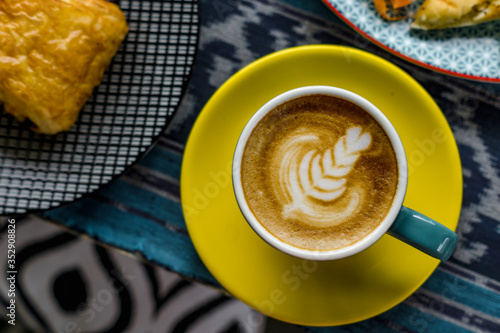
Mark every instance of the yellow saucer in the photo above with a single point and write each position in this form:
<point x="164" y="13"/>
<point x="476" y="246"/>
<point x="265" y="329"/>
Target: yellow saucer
<point x="290" y="289"/>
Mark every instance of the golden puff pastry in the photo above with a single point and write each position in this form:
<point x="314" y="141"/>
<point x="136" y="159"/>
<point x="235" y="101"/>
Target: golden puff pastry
<point x="440" y="14"/>
<point x="52" y="55"/>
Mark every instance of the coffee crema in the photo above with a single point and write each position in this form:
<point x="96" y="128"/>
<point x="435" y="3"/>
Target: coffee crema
<point x="319" y="172"/>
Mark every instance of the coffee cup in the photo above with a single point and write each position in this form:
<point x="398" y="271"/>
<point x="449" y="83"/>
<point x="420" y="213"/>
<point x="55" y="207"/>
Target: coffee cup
<point x="320" y="173"/>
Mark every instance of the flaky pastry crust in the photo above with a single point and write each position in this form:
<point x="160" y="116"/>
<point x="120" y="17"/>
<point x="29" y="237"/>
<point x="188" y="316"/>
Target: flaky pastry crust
<point x="52" y="55"/>
<point x="440" y="14"/>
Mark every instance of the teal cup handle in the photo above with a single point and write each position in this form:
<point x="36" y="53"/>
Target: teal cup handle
<point x="424" y="234"/>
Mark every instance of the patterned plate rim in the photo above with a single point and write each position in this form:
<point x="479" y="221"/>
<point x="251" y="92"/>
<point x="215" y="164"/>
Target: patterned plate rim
<point x="405" y="57"/>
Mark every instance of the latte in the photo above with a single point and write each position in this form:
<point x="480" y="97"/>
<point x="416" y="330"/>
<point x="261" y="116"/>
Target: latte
<point x="319" y="172"/>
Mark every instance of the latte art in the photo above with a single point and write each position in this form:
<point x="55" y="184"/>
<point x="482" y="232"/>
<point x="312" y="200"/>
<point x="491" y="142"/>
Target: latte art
<point x="319" y="172"/>
<point x="321" y="176"/>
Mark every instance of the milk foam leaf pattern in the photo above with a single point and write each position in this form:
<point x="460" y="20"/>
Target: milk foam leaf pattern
<point x="324" y="176"/>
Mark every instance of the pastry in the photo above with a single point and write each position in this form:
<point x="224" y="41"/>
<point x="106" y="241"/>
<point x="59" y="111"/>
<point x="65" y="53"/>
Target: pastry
<point x="439" y="14"/>
<point x="52" y="55"/>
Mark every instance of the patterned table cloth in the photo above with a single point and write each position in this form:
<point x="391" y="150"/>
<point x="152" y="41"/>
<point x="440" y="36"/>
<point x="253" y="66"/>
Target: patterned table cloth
<point x="140" y="213"/>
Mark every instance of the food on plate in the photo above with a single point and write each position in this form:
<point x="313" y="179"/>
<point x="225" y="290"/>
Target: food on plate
<point x="52" y="55"/>
<point x="439" y="14"/>
<point x="392" y="10"/>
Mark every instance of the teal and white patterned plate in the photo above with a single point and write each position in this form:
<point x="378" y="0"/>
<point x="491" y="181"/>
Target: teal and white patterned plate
<point x="469" y="52"/>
